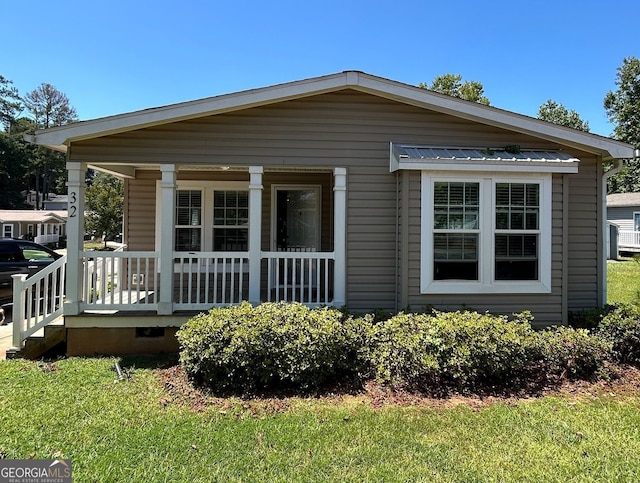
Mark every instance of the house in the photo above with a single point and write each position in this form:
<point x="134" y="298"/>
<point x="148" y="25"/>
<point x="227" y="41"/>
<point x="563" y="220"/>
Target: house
<point x="623" y="210"/>
<point x="56" y="202"/>
<point x="43" y="227"/>
<point x="345" y="190"/>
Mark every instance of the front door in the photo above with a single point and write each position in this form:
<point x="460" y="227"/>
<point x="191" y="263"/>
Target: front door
<point x="296" y="224"/>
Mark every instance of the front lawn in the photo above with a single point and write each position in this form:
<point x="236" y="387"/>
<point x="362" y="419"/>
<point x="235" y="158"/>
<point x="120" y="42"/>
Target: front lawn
<point x="151" y="427"/>
<point x="623" y="280"/>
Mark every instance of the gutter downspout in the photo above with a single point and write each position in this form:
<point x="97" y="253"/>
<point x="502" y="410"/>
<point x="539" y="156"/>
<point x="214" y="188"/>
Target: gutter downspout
<point x="619" y="164"/>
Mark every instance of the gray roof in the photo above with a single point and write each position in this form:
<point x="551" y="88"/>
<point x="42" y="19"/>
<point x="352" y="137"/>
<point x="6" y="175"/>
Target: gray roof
<point x="623" y="199"/>
<point x="456" y="154"/>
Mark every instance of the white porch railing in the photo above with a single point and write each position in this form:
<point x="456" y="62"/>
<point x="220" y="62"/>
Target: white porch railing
<point x="300" y="276"/>
<point x="37" y="301"/>
<point x="206" y="279"/>
<point x="201" y="280"/>
<point x="119" y="280"/>
<point x="44" y="239"/>
<point x="629" y="239"/>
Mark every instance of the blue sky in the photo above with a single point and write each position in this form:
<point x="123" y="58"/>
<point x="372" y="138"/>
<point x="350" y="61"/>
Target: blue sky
<point x="123" y="55"/>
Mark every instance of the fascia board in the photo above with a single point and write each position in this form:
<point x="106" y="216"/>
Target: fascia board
<point x="506" y="167"/>
<point x="493" y="116"/>
<point x="60" y="137"/>
<point x="64" y="135"/>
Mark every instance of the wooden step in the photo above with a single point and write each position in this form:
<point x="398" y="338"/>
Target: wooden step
<point x="41" y="342"/>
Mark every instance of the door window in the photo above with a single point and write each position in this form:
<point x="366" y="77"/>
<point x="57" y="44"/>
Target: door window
<point x="297" y="218"/>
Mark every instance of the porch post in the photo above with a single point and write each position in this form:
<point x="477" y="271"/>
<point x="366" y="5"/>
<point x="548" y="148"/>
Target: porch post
<point x="167" y="236"/>
<point x="340" y="237"/>
<point x="255" y="232"/>
<point x="75" y="239"/>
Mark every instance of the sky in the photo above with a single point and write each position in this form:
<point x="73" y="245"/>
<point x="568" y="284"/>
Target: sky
<point x="117" y="56"/>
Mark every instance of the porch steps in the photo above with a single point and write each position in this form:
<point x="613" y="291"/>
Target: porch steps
<point x="42" y="341"/>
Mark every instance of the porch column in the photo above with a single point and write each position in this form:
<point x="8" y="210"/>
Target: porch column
<point x="255" y="232"/>
<point x="340" y="236"/>
<point x="167" y="237"/>
<point x="75" y="239"/>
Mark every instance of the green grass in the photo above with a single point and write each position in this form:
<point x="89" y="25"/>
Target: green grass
<point x="623" y="281"/>
<point x="132" y="431"/>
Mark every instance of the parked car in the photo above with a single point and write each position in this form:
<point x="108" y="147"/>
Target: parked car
<point x="20" y="256"/>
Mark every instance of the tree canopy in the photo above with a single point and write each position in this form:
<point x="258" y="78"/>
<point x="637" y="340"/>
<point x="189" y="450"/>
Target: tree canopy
<point x="104" y="202"/>
<point x="10" y="103"/>
<point x="452" y="85"/>
<point x="622" y="105"/>
<point x="23" y="166"/>
<point x="556" y="113"/>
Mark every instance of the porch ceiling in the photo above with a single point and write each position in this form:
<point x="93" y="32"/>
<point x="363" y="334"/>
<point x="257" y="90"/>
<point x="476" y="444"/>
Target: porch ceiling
<point x="129" y="171"/>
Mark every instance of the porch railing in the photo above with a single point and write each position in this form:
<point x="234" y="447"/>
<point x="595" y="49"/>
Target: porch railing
<point x="201" y="280"/>
<point x="629" y="239"/>
<point x="206" y="279"/>
<point x="119" y="280"/>
<point x="37" y="301"/>
<point x="300" y="276"/>
<point x="44" y="239"/>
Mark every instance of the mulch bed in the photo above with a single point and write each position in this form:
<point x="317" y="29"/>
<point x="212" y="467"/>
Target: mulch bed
<point x="623" y="381"/>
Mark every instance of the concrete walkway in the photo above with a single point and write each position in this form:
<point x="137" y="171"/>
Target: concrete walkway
<point x="6" y="333"/>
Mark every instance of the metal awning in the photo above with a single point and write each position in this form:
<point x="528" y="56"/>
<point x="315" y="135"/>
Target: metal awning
<point x="480" y="159"/>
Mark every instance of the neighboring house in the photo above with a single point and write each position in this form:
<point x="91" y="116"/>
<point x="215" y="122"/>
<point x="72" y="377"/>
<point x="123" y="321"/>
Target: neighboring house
<point x="623" y="210"/>
<point x="40" y="226"/>
<point x="345" y="190"/>
<point x="56" y="202"/>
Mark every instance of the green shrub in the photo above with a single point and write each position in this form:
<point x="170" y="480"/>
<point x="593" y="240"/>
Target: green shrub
<point x="621" y="328"/>
<point x="271" y="345"/>
<point x="565" y="352"/>
<point x="404" y="349"/>
<point x="456" y="349"/>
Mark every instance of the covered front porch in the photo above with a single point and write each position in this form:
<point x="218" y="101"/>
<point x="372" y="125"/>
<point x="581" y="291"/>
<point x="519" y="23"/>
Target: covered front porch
<point x="216" y="254"/>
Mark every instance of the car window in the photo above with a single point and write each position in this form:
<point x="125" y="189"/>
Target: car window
<point x="35" y="254"/>
<point x="9" y="252"/>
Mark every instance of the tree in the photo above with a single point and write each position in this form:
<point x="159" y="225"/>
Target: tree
<point x="49" y="107"/>
<point x="452" y="85"/>
<point x="556" y="113"/>
<point x="104" y="201"/>
<point x="623" y="108"/>
<point x="10" y="103"/>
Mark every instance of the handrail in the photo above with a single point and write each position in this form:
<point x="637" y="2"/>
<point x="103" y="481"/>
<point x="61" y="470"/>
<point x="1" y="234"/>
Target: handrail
<point x="37" y="300"/>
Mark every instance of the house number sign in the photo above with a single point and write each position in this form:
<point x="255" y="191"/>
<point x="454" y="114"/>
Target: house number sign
<point x="73" y="199"/>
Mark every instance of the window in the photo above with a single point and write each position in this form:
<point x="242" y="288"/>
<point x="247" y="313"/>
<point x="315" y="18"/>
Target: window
<point x="7" y="231"/>
<point x="188" y="220"/>
<point x="489" y="235"/>
<point x="455" y="234"/>
<point x="209" y="216"/>
<point x="230" y="220"/>
<point x="636" y="221"/>
<point x="517" y="231"/>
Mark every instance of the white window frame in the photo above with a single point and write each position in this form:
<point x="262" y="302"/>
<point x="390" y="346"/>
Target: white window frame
<point x="486" y="282"/>
<point x="207" y="187"/>
<point x="636" y="215"/>
<point x="4" y="230"/>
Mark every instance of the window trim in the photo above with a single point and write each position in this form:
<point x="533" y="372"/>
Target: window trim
<point x="4" y="230"/>
<point x="486" y="244"/>
<point x="636" y="214"/>
<point x="207" y="187"/>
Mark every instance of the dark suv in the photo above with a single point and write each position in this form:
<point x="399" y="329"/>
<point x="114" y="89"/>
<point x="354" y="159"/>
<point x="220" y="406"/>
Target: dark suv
<point x="20" y="256"/>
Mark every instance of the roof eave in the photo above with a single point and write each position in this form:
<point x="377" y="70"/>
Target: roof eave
<point x="59" y="138"/>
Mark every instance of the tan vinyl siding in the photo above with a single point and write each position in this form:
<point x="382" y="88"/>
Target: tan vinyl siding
<point x="344" y="129"/>
<point x="584" y="230"/>
<point x="140" y="220"/>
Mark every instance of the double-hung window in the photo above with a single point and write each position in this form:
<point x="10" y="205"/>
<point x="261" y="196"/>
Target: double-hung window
<point x="486" y="234"/>
<point x="209" y="217"/>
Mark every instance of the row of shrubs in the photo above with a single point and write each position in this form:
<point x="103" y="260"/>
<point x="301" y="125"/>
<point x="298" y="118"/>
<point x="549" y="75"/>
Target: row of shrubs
<point x="276" y="345"/>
